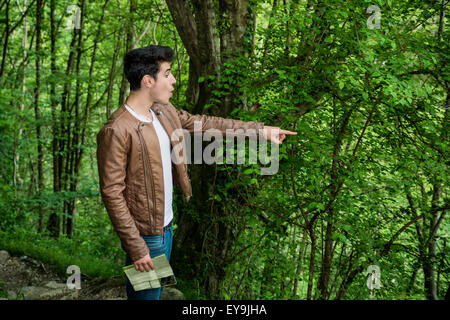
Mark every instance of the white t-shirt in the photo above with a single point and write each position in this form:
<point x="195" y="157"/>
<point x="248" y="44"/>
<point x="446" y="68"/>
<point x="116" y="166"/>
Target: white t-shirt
<point x="164" y="143"/>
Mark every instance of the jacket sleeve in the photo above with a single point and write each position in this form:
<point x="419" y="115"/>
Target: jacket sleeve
<point x="112" y="152"/>
<point x="188" y="120"/>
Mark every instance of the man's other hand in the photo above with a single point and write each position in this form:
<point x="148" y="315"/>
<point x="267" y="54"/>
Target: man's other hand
<point x="275" y="134"/>
<point x="144" y="264"/>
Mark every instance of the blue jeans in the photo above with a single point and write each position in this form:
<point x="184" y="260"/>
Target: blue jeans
<point x="157" y="245"/>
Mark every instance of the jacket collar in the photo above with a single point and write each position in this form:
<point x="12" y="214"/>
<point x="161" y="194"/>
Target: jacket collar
<point x="158" y="107"/>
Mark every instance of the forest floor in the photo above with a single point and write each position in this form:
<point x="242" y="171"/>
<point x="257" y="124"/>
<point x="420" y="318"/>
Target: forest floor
<point x="24" y="278"/>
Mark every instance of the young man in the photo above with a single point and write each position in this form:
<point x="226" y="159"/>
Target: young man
<point x="134" y="159"/>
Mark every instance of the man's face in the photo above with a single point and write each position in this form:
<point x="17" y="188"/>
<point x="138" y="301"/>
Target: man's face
<point x="161" y="89"/>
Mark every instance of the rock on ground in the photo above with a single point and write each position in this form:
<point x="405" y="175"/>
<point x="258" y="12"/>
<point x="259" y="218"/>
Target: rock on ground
<point x="170" y="293"/>
<point x="4" y="256"/>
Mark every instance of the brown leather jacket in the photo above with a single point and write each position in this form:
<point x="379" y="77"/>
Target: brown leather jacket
<point x="131" y="174"/>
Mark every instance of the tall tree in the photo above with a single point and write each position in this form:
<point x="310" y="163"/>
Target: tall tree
<point x="54" y="218"/>
<point x="37" y="112"/>
<point x="213" y="33"/>
<point x="128" y="46"/>
<point x="61" y="136"/>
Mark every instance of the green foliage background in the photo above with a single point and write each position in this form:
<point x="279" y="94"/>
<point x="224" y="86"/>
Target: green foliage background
<point x="371" y="110"/>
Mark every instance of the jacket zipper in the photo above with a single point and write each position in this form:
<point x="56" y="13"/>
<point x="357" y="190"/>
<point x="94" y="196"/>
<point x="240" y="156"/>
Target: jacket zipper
<point x="145" y="159"/>
<point x="173" y="128"/>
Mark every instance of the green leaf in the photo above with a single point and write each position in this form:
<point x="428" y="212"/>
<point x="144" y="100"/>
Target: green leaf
<point x="365" y="96"/>
<point x="316" y="205"/>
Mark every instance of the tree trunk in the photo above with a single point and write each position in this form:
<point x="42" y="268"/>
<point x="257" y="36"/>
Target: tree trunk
<point x="447" y="294"/>
<point x="5" y="43"/>
<point x="62" y="134"/>
<point x="128" y="47"/>
<point x="54" y="219"/>
<point x="312" y="259"/>
<point x="75" y="149"/>
<point x="18" y="137"/>
<point x="198" y="28"/>
<point x="269" y="30"/>
<point x="198" y="32"/>
<point x="37" y="113"/>
<point x="430" y="261"/>
<point x="233" y="45"/>
<point x="412" y="280"/>
<point x="111" y="78"/>
<point x="298" y="272"/>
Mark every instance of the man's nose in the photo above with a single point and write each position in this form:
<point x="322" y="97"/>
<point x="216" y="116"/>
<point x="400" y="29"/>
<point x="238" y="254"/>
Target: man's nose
<point x="173" y="80"/>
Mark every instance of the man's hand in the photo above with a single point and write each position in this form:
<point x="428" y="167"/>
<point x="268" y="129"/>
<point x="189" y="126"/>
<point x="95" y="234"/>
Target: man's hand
<point x="144" y="263"/>
<point x="275" y="134"/>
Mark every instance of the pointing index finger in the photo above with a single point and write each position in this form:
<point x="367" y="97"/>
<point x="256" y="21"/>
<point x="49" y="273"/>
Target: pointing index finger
<point x="288" y="132"/>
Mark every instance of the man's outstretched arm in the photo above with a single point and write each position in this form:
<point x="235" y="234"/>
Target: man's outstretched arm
<point x="274" y="134"/>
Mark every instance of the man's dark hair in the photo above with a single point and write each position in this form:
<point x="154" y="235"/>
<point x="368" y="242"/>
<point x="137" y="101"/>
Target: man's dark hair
<point x="141" y="61"/>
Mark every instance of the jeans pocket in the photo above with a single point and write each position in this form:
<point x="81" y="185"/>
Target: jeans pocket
<point x="154" y="242"/>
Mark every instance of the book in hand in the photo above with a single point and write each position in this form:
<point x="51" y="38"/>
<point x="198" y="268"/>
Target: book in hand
<point x="161" y="275"/>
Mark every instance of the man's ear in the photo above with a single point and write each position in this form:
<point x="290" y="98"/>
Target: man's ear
<point x="148" y="81"/>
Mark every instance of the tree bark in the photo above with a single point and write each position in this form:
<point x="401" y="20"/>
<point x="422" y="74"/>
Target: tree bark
<point x="5" y="43"/>
<point x="80" y="122"/>
<point x="16" y="174"/>
<point x="430" y="261"/>
<point x="128" y="47"/>
<point x="412" y="280"/>
<point x="198" y="27"/>
<point x="37" y="113"/>
<point x="447" y="294"/>
<point x="184" y="21"/>
<point x="61" y="135"/>
<point x="268" y="32"/>
<point x="298" y="272"/>
<point x="54" y="219"/>
<point x="312" y="259"/>
<point x="111" y="78"/>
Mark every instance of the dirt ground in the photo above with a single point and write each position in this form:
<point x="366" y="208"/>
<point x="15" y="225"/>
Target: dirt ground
<point x="25" y="278"/>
